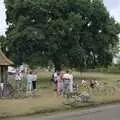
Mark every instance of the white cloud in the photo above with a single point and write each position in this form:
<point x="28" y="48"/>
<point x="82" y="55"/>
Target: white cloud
<point x="3" y="25"/>
<point x="116" y="13"/>
<point x="111" y="4"/>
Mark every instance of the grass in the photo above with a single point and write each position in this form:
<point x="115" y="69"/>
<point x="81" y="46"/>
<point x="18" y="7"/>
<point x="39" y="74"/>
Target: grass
<point x="47" y="101"/>
<point x="13" y="107"/>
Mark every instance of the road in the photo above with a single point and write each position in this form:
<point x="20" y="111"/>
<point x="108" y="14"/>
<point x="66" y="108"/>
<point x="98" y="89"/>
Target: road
<point x="110" y="112"/>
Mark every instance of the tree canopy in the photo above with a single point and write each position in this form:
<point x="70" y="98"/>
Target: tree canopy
<point x="75" y="33"/>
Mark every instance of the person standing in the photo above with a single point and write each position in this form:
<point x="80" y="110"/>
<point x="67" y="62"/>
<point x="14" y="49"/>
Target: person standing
<point x="34" y="81"/>
<point x="66" y="82"/>
<point x="29" y="82"/>
<point x="59" y="84"/>
<point x="55" y="77"/>
<point x="18" y="81"/>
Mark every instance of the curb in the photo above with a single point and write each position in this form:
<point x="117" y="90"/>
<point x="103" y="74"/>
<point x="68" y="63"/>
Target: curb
<point x="71" y="108"/>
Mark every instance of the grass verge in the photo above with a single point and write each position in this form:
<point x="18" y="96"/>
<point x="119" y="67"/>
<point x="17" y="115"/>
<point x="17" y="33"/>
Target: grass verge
<point x="47" y="104"/>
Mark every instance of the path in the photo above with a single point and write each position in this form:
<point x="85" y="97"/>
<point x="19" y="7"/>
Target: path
<point x="110" y="112"/>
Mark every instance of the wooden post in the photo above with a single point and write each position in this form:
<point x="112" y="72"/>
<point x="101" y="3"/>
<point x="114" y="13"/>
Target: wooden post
<point x="6" y="74"/>
<point x="2" y="71"/>
<point x="0" y="74"/>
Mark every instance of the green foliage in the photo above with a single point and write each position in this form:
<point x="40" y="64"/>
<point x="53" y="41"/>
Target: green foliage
<point x="3" y="44"/>
<point x="75" y="33"/>
<point x="2" y="41"/>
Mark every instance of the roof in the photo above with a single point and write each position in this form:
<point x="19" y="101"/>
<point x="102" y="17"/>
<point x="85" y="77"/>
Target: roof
<point x="4" y="60"/>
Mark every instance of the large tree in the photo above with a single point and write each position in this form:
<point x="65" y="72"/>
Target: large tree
<point x="76" y="33"/>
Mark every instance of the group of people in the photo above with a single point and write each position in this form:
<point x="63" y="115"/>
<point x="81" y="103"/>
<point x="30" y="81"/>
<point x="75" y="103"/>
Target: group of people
<point x="30" y="78"/>
<point x="31" y="81"/>
<point x="63" y="82"/>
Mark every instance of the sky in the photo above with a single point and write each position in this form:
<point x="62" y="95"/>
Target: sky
<point x="113" y="7"/>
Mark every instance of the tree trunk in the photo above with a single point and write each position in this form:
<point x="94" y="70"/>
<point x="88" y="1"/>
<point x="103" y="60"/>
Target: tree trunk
<point x="57" y="66"/>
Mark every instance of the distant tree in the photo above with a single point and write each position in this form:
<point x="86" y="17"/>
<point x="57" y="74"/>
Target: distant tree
<point x="75" y="33"/>
<point x="3" y="43"/>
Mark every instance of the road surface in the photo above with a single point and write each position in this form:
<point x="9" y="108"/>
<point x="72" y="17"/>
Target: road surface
<point x="110" y="112"/>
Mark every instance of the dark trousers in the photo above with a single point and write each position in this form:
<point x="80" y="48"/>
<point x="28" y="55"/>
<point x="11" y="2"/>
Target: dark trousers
<point x="34" y="85"/>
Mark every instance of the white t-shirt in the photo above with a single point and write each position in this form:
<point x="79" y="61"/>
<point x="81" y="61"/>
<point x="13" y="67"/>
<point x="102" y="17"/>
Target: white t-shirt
<point x="17" y="77"/>
<point x="29" y="78"/>
<point x="34" y="77"/>
<point x="21" y="75"/>
<point x="66" y="76"/>
<point x="2" y="85"/>
<point x="55" y="76"/>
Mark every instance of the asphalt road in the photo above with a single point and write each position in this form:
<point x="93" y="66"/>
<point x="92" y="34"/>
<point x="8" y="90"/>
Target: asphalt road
<point x="110" y="112"/>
